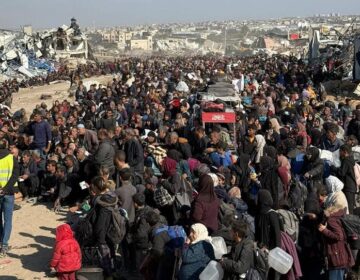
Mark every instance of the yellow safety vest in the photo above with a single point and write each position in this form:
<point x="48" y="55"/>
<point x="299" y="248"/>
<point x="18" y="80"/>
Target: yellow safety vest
<point x="6" y="170"/>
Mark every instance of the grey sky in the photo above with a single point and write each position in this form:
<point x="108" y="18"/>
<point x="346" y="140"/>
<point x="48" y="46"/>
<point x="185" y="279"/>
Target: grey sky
<point x="52" y="13"/>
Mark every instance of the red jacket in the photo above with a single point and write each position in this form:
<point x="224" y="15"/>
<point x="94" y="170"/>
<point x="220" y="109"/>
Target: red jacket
<point x="67" y="253"/>
<point x="337" y="249"/>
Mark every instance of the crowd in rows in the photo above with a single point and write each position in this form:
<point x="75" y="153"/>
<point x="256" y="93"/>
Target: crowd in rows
<point x="139" y="145"/>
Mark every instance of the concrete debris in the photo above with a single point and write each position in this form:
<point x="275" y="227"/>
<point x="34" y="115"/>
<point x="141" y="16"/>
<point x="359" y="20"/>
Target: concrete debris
<point x="25" y="55"/>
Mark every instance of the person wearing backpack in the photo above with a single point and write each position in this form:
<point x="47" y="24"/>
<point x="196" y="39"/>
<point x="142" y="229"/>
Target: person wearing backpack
<point x="126" y="192"/>
<point x="267" y="226"/>
<point x="138" y="234"/>
<point x="241" y="257"/>
<point x="310" y="247"/>
<point x="241" y="209"/>
<point x="101" y="222"/>
<point x="159" y="262"/>
<point x="337" y="251"/>
<point x="125" y="196"/>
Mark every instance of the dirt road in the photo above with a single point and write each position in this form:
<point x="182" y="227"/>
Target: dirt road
<point x="28" y="98"/>
<point x="34" y="226"/>
<point x="32" y="240"/>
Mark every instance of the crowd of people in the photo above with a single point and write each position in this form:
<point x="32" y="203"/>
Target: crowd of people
<point x="138" y="147"/>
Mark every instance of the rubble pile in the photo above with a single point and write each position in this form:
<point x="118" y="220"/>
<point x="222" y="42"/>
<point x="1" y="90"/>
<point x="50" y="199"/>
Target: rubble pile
<point x="27" y="55"/>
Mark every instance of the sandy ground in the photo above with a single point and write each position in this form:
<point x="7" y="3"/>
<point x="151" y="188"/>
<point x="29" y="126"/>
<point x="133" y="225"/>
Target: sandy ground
<point x="32" y="240"/>
<point x="34" y="226"/>
<point x="29" y="97"/>
<point x="32" y="237"/>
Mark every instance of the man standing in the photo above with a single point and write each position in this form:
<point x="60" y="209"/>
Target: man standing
<point x="134" y="152"/>
<point x="9" y="173"/>
<point x="41" y="132"/>
<point x="346" y="174"/>
<point x="88" y="139"/>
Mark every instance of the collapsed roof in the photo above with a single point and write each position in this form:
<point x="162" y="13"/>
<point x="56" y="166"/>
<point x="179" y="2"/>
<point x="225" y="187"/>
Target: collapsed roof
<point x="27" y="55"/>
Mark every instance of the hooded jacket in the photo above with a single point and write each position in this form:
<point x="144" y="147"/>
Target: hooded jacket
<point x="102" y="218"/>
<point x="335" y="195"/>
<point x="104" y="156"/>
<point x="67" y="253"/>
<point x="337" y="250"/>
<point x="134" y="155"/>
<point x="241" y="260"/>
<point x="347" y="175"/>
<point x="314" y="165"/>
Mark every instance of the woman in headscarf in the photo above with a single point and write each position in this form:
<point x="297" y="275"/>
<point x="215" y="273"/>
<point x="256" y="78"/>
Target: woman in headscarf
<point x="199" y="253"/>
<point x="241" y="172"/>
<point x="169" y="166"/>
<point x="267" y="226"/>
<point x="335" y="195"/>
<point x="270" y="104"/>
<point x="283" y="164"/>
<point x="270" y="180"/>
<point x="302" y="134"/>
<point x="260" y="144"/>
<point x="205" y="207"/>
<point x="338" y="252"/>
<point x="272" y="134"/>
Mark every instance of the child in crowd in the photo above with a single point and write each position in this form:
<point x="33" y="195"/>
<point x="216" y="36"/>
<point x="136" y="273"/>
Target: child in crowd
<point x="66" y="259"/>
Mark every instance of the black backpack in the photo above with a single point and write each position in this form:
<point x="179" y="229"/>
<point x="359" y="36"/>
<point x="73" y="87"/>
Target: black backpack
<point x="225" y="211"/>
<point x="297" y="196"/>
<point x="249" y="220"/>
<point x="117" y="228"/>
<point x="351" y="225"/>
<point x="84" y="230"/>
<point x="260" y="268"/>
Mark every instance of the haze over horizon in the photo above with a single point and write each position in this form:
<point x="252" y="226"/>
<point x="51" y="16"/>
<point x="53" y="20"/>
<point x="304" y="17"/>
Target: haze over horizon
<point x="106" y="13"/>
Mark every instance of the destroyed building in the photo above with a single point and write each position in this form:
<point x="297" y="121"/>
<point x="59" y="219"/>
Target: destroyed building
<point x="27" y="54"/>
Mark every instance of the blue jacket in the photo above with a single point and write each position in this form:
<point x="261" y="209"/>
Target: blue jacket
<point x="42" y="134"/>
<point x="195" y="259"/>
<point x="219" y="160"/>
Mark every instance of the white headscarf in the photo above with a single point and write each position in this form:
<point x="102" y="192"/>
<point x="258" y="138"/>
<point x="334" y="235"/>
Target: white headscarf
<point x="215" y="178"/>
<point x="261" y="142"/>
<point x="335" y="198"/>
<point x="333" y="184"/>
<point x="201" y="233"/>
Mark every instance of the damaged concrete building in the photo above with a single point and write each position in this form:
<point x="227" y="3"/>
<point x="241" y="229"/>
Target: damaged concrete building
<point x="27" y="54"/>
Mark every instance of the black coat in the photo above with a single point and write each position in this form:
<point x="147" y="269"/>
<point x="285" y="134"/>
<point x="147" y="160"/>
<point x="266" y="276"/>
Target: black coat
<point x="315" y="169"/>
<point x="104" y="156"/>
<point x="240" y="261"/>
<point x="347" y="175"/>
<point x="354" y="128"/>
<point x="134" y="155"/>
<point x="267" y="222"/>
<point x="102" y="218"/>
